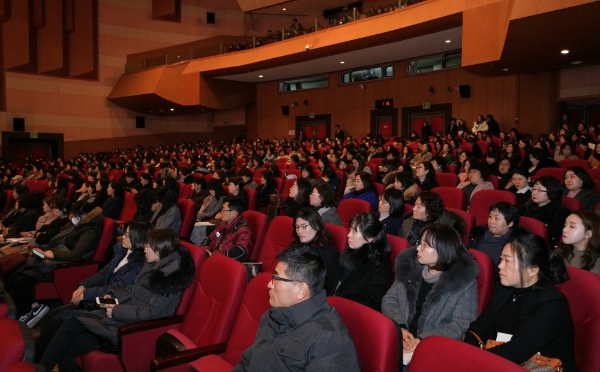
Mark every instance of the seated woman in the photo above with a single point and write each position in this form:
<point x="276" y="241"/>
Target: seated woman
<point x="328" y="174"/>
<point x="594" y="158"/>
<point x="579" y="185"/>
<point x="539" y="159"/>
<point x="504" y="173"/>
<point x="466" y="165"/>
<point x="324" y="200"/>
<point x="478" y="173"/>
<point x="298" y="198"/>
<point x="166" y="212"/>
<point x="580" y="244"/>
<point x="155" y="294"/>
<point x="235" y="185"/>
<point x="435" y="292"/>
<point x="391" y="209"/>
<point x="59" y="208"/>
<point x="545" y="205"/>
<point x="25" y="216"/>
<point x="307" y="172"/>
<point x="11" y="215"/>
<point x="405" y="182"/>
<point x="425" y="176"/>
<point x="310" y="232"/>
<point x="73" y="243"/>
<point x="98" y="198"/>
<point x="428" y="209"/>
<point x="512" y="152"/>
<point x="363" y="189"/>
<point x="366" y="273"/>
<point x="62" y="188"/>
<point x="266" y="188"/>
<point x="113" y="205"/>
<point x="566" y="152"/>
<point x="520" y="186"/>
<point x="120" y="272"/>
<point x="213" y="202"/>
<point x="527" y="306"/>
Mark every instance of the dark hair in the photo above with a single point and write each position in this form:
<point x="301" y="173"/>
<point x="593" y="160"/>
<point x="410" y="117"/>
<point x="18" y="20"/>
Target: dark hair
<point x="395" y="198"/>
<point x="144" y="197"/>
<point x="371" y="228"/>
<point x="138" y="232"/>
<point x="552" y="185"/>
<point x="81" y="208"/>
<point x="521" y="171"/>
<point x="567" y="144"/>
<point x="367" y="180"/>
<point x="405" y="178"/>
<point x="591" y="222"/>
<point x="163" y="242"/>
<point x="147" y="177"/>
<point x="61" y="204"/>
<point x="239" y="182"/>
<point x="532" y="251"/>
<point x="328" y="196"/>
<point x="166" y="197"/>
<point x="538" y="153"/>
<point x="268" y="176"/>
<point x="200" y="181"/>
<point x="21" y="190"/>
<point x="235" y="203"/>
<point x="62" y="183"/>
<point x="304" y="190"/>
<point x="323" y="237"/>
<point x="32" y="199"/>
<point x="434" y="206"/>
<point x="131" y="174"/>
<point x="446" y="242"/>
<point x="245" y="172"/>
<point x="509" y="211"/>
<point x="118" y="189"/>
<point x="216" y="186"/>
<point x="582" y="174"/>
<point x="361" y="164"/>
<point x="309" y="169"/>
<point x="440" y="160"/>
<point x="485" y="171"/>
<point x="430" y="177"/>
<point x="305" y="267"/>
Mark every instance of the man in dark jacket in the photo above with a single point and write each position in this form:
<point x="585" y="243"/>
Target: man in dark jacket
<point x="232" y="238"/>
<point x="301" y="331"/>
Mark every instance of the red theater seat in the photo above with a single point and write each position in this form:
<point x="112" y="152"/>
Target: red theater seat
<point x="340" y="236"/>
<point x="452" y="197"/>
<point x="258" y="222"/>
<point x="188" y="216"/>
<point x="484" y="199"/>
<point x="277" y="238"/>
<point x="485" y="279"/>
<point x="349" y="208"/>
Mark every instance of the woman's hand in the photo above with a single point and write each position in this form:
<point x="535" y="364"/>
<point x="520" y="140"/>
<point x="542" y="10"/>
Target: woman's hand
<point x="26" y="234"/>
<point x="77" y="296"/>
<point x="409" y="342"/>
<point x="109" y="309"/>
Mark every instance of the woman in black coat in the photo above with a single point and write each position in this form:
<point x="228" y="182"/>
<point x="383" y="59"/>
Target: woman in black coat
<point x="366" y="272"/>
<point x="298" y="197"/>
<point x="391" y="208"/>
<point x="113" y="205"/>
<point x="155" y="294"/>
<point x="26" y="215"/>
<point x="266" y="188"/>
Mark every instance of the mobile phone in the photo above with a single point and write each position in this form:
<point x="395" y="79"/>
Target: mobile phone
<point x="38" y="253"/>
<point x="106" y="301"/>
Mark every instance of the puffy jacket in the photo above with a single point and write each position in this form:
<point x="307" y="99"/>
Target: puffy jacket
<point x="232" y="239"/>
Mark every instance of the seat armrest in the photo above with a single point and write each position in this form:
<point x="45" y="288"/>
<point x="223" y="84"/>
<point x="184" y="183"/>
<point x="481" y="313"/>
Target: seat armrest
<point x="186" y="356"/>
<point x="146" y="325"/>
<point x="75" y="264"/>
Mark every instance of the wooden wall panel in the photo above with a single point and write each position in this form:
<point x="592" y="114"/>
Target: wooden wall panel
<point x="18" y="38"/>
<point x="83" y="39"/>
<point x="166" y="10"/>
<point x="539" y="110"/>
<point x="579" y="83"/>
<point x="51" y="38"/>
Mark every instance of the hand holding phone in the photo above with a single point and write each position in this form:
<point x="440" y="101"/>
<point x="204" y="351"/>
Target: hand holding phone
<point x="38" y="253"/>
<point x="106" y="301"/>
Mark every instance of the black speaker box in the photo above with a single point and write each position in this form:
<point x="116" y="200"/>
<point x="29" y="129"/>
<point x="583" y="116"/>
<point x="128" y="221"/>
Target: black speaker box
<point x="210" y="18"/>
<point x="18" y="124"/>
<point x="140" y="122"/>
<point x="465" y="91"/>
<point x="285" y="110"/>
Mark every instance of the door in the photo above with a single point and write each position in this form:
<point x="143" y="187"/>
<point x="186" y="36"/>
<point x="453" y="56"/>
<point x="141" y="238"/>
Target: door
<point x="384" y="122"/>
<point x="316" y="127"/>
<point x="384" y="125"/>
<point x="435" y="120"/>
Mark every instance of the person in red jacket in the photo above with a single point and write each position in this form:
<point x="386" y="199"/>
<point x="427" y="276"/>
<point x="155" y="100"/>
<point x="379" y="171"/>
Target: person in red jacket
<point x="234" y="236"/>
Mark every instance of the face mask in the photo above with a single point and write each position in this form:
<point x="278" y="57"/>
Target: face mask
<point x="75" y="220"/>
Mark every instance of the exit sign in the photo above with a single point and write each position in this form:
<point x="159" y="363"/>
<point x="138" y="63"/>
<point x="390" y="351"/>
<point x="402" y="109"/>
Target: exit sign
<point x="33" y="135"/>
<point x="426" y="105"/>
<point x="311" y="115"/>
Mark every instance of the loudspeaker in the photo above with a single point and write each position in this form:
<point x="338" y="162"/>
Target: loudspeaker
<point x="210" y="17"/>
<point x="285" y="110"/>
<point x="140" y="122"/>
<point x="18" y="124"/>
<point x="465" y="91"/>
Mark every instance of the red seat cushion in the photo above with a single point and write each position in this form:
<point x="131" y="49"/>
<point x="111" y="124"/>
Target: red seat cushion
<point x="12" y="344"/>
<point x="211" y="363"/>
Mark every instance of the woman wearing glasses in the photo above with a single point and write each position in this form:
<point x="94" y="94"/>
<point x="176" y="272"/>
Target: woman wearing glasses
<point x="435" y="292"/>
<point x="545" y="205"/>
<point x="366" y="273"/>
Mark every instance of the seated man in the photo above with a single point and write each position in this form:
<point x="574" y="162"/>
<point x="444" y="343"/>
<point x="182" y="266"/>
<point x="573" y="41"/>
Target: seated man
<point x="439" y="162"/>
<point x="302" y="331"/>
<point x="234" y="236"/>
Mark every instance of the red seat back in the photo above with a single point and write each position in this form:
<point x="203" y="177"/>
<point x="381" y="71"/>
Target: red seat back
<point x="199" y="257"/>
<point x="567" y="163"/>
<point x="9" y="200"/>
<point x="397" y="245"/>
<point x="349" y="208"/>
<point x="277" y="238"/>
<point x="484" y="199"/>
<point x="485" y="279"/>
<point x="108" y="233"/>
<point x="494" y="180"/>
<point x="13" y="343"/>
<point x="187" y="191"/>
<point x="447" y="179"/>
<point x="374" y="335"/>
<point x="377" y="161"/>
<point x="343" y="179"/>
<point x="559" y="173"/>
<point x="582" y="290"/>
<point x="129" y="208"/>
<point x="379" y="188"/>
<point x="70" y="191"/>
<point x="188" y="216"/>
<point x="452" y="197"/>
<point x="535" y="226"/>
<point x="287" y="186"/>
<point x="258" y="222"/>
<point x="340" y="236"/>
<point x="469" y="222"/>
<point x="279" y="184"/>
<point x="571" y="204"/>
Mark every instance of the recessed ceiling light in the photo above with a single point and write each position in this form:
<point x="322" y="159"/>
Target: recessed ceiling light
<point x="564" y="51"/>
<point x="342" y="62"/>
<point x="448" y="41"/>
<point x="283" y="8"/>
<point x="172" y="109"/>
<point x="576" y="62"/>
<point x="260" y="76"/>
<point x="504" y="69"/>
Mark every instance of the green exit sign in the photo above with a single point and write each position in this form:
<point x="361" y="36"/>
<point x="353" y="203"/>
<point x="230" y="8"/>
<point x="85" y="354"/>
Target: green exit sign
<point x="33" y="135"/>
<point x="311" y="115"/>
<point x="426" y="105"/>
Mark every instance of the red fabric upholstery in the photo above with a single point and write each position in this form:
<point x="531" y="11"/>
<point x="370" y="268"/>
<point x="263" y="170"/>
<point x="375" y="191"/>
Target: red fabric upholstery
<point x="535" y="226"/>
<point x="9" y="200"/>
<point x="485" y="279"/>
<point x="452" y="197"/>
<point x="483" y="146"/>
<point x="70" y="190"/>
<point x="239" y="162"/>
<point x="97" y="361"/>
<point x="484" y="199"/>
<point x="279" y="184"/>
<point x="258" y="222"/>
<point x="397" y="245"/>
<point x="567" y="163"/>
<point x="374" y="335"/>
<point x="199" y="257"/>
<point x="494" y="180"/>
<point x="252" y="199"/>
<point x="349" y="208"/>
<point x="452" y="355"/>
<point x="129" y="208"/>
<point x="379" y="188"/>
<point x="377" y="161"/>
<point x="469" y="221"/>
<point x="340" y="236"/>
<point x="447" y="179"/>
<point x="287" y="186"/>
<point x="342" y="176"/>
<point x="24" y="367"/>
<point x="407" y="209"/>
<point x="277" y="238"/>
<point x="582" y="291"/>
<point x="559" y="173"/>
<point x="187" y="191"/>
<point x="181" y="186"/>
<point x="374" y="171"/>
<point x="571" y="204"/>
<point x="188" y="216"/>
<point x="14" y="345"/>
<point x="211" y="363"/>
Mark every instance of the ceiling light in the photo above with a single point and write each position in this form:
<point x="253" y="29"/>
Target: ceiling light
<point x="283" y="8"/>
<point x="448" y="41"/>
<point x="172" y="109"/>
<point x="564" y="51"/>
<point x="342" y="62"/>
<point x="504" y="69"/>
<point x="576" y="62"/>
<point x="260" y="76"/>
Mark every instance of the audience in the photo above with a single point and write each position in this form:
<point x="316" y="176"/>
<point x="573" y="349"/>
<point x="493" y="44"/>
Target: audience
<point x="364" y="189"/>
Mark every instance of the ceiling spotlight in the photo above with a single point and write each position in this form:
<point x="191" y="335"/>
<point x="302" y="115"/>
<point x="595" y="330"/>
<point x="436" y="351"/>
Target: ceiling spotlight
<point x="172" y="109"/>
<point x="576" y="62"/>
<point x="342" y="62"/>
<point x="564" y="51"/>
<point x="505" y="69"/>
<point x="448" y="41"/>
<point x="260" y="76"/>
<point x="283" y="8"/>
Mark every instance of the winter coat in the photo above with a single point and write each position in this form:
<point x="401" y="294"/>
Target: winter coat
<point x="170" y="220"/>
<point x="24" y="221"/>
<point x="232" y="239"/>
<point x="49" y="231"/>
<point x="449" y="307"/>
<point x="483" y="185"/>
<point x="588" y="198"/>
<point x="331" y="216"/>
<point x="309" y="336"/>
<point x="264" y="191"/>
<point x="79" y="242"/>
<point x="112" y="207"/>
<point x="211" y="207"/>
<point x="155" y="294"/>
<point x="392" y="224"/>
<point x="553" y="215"/>
<point x="369" y="196"/>
<point x="447" y="218"/>
<point x="107" y="279"/>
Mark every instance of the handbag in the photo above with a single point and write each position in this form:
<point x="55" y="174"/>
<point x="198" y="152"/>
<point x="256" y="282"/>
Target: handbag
<point x="537" y="363"/>
<point x="253" y="269"/>
<point x="276" y="199"/>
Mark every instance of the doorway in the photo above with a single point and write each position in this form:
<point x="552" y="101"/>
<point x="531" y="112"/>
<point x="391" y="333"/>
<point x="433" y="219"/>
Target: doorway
<point x="436" y="115"/>
<point x="435" y="119"/>
<point x="384" y="122"/>
<point x="317" y="127"/>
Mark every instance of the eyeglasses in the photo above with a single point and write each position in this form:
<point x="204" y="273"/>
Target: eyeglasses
<point x="302" y="227"/>
<point x="226" y="210"/>
<point x="275" y="277"/>
<point x="424" y="245"/>
<point x="538" y="190"/>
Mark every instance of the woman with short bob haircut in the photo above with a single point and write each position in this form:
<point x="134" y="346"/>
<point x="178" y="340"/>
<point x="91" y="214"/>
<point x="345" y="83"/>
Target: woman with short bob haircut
<point x="363" y="189"/>
<point x="391" y="209"/>
<point x="580" y="185"/>
<point x="527" y="306"/>
<point x="580" y="243"/>
<point x="298" y="198"/>
<point x="435" y="292"/>
<point x="324" y="200"/>
<point x="366" y="273"/>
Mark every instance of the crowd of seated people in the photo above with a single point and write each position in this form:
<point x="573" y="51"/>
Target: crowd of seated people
<point x="223" y="178"/>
